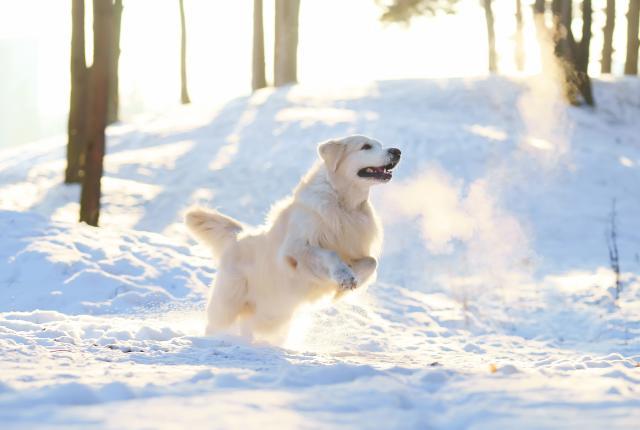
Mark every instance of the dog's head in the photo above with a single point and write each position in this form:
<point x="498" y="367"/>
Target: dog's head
<point x="359" y="159"/>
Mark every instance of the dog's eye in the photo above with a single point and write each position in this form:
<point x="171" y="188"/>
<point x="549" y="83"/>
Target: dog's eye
<point x="366" y="146"/>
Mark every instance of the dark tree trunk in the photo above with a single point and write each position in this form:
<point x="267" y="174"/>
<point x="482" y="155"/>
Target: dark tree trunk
<point x="563" y="36"/>
<point x="258" y="76"/>
<point x="519" y="37"/>
<point x="538" y="6"/>
<point x="565" y="46"/>
<point x="633" y="20"/>
<point x="582" y="54"/>
<point x="76" y="127"/>
<point x="607" y="47"/>
<point x="113" y="63"/>
<point x="573" y="57"/>
<point x="98" y="104"/>
<point x="286" y="42"/>
<point x="184" y="92"/>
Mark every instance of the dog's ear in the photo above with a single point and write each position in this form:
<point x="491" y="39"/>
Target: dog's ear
<point x="331" y="152"/>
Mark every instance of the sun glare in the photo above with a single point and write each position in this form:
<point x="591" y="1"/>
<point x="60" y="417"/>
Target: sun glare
<point x="341" y="42"/>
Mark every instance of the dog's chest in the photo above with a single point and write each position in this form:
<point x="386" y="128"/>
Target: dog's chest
<point x="350" y="233"/>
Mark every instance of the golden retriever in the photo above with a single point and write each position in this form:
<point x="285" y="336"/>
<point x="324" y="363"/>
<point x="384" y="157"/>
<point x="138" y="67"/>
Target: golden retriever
<point x="321" y="241"/>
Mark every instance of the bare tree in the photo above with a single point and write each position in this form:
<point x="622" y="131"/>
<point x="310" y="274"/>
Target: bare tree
<point x="114" y="101"/>
<point x="184" y="92"/>
<point x="98" y="106"/>
<point x="582" y="54"/>
<point x="573" y="57"/>
<point x="76" y="127"/>
<point x="607" y="47"/>
<point x="519" y="37"/>
<point x="633" y="22"/>
<point x="491" y="36"/>
<point x="286" y="42"/>
<point x="258" y="79"/>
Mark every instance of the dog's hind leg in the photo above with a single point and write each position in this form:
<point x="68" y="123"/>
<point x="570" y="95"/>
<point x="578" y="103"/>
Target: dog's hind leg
<point x="227" y="300"/>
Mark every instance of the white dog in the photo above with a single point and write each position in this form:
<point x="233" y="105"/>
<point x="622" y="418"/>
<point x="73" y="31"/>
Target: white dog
<point x="321" y="241"/>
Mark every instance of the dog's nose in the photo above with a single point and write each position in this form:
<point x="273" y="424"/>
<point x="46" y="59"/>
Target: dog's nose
<point x="395" y="152"/>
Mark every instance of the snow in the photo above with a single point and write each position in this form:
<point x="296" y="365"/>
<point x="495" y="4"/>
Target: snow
<point x="494" y="305"/>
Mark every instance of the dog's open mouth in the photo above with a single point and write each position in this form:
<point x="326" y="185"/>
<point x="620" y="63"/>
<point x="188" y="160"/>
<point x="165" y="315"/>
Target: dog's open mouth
<point x="382" y="173"/>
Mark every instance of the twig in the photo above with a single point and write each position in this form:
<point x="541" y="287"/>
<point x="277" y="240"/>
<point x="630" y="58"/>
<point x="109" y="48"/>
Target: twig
<point x="612" y="244"/>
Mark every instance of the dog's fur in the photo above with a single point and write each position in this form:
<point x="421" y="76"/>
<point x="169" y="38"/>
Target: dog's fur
<point x="321" y="241"/>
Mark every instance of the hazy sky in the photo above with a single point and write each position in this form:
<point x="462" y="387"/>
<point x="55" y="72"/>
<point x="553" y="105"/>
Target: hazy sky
<point x="340" y="42"/>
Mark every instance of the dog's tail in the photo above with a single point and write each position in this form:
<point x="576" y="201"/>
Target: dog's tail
<point x="212" y="229"/>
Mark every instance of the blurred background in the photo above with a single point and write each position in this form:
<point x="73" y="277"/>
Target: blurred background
<point x="340" y="42"/>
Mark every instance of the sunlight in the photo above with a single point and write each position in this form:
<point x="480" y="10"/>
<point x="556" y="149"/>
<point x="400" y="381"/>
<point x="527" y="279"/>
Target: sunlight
<point x="489" y="132"/>
<point x="163" y="157"/>
<point x="219" y="71"/>
<point x="309" y="116"/>
<point x="626" y="162"/>
<point x="538" y="143"/>
<point x="398" y="226"/>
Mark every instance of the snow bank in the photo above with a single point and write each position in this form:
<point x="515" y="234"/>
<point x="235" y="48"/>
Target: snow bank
<point x="78" y="269"/>
<point x="494" y="305"/>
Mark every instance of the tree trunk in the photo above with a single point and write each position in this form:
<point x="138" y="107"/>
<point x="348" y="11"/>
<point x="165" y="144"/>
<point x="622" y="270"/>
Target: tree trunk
<point x="574" y="58"/>
<point x="563" y="36"/>
<point x="98" y="104"/>
<point x="582" y="54"/>
<point x="564" y="46"/>
<point x="113" y="63"/>
<point x="286" y="42"/>
<point x="184" y="92"/>
<point x="258" y="76"/>
<point x="607" y="47"/>
<point x="76" y="127"/>
<point x="491" y="36"/>
<point x="633" y="20"/>
<point x="519" y="37"/>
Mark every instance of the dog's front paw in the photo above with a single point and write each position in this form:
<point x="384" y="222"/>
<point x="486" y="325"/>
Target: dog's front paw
<point x="345" y="278"/>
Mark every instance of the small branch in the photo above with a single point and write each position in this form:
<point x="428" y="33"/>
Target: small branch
<point x="612" y="244"/>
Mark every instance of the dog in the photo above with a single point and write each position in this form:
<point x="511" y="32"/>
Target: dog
<point x="322" y="241"/>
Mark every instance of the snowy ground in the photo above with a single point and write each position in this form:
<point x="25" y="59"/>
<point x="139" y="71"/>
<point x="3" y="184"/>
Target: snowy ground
<point x="494" y="306"/>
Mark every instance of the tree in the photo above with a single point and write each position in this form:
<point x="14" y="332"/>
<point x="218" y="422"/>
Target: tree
<point x="582" y="54"/>
<point x="519" y="37"/>
<point x="184" y="92"/>
<point x="76" y="128"/>
<point x="574" y="58"/>
<point x="286" y="42"/>
<point x="491" y="36"/>
<point x="258" y="79"/>
<point x="633" y="22"/>
<point x="607" y="47"/>
<point x="98" y="106"/>
<point x="113" y="63"/>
